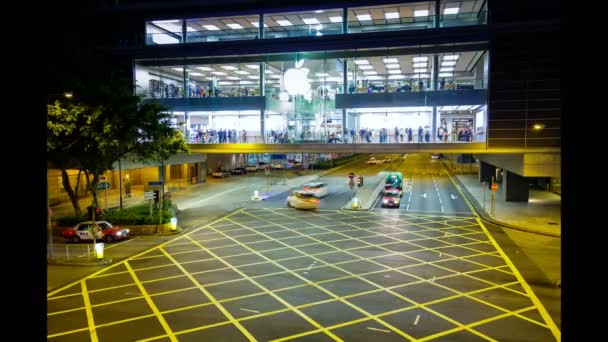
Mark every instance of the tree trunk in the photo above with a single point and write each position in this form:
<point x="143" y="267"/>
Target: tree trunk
<point x="92" y="186"/>
<point x="68" y="188"/>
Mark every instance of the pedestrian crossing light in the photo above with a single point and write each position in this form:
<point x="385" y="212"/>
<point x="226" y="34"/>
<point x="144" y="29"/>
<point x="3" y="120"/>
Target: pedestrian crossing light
<point x="359" y="181"/>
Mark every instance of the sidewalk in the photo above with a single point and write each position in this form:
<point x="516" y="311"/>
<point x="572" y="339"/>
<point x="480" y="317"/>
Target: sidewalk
<point x="541" y="214"/>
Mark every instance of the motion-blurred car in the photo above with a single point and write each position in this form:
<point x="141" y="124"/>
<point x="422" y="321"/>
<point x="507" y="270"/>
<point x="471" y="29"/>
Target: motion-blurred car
<point x="220" y="174"/>
<point x="372" y="161"/>
<point x="301" y="200"/>
<point x="238" y="171"/>
<point x="251" y="168"/>
<point x="277" y="166"/>
<point x="82" y="232"/>
<point x="387" y="160"/>
<point x="317" y="189"/>
<point x="262" y="166"/>
<point x="435" y="156"/>
<point x="391" y="199"/>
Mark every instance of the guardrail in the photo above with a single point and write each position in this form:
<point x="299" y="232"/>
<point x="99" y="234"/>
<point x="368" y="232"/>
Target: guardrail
<point x="76" y="253"/>
<point x="367" y="194"/>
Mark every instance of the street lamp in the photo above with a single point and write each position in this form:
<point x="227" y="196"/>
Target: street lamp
<point x="49" y="224"/>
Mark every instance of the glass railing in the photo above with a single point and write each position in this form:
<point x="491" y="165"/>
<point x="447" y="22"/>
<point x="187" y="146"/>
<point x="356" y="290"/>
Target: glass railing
<point x="413" y="23"/>
<point x="303" y="30"/>
<point x="163" y="38"/>
<point x="217" y="36"/>
<point x="464" y="19"/>
<point x="392" y="86"/>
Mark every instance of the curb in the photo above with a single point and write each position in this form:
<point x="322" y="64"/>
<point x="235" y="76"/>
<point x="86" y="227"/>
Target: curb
<point x="68" y="263"/>
<point x="486" y="217"/>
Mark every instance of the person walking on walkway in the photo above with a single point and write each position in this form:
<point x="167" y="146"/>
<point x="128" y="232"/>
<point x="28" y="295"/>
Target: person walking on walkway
<point x="420" y="133"/>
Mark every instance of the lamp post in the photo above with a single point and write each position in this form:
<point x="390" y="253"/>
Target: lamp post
<point x="49" y="224"/>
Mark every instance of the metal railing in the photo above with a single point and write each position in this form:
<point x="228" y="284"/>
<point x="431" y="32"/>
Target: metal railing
<point x="71" y="252"/>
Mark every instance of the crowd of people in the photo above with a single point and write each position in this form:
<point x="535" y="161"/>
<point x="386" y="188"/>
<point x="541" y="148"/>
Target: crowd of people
<point x="221" y="136"/>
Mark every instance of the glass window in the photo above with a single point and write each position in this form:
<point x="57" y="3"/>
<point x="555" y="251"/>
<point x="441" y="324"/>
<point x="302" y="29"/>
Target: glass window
<point x="222" y="29"/>
<point x="419" y="15"/>
<point x="461" y="13"/>
<point x="462" y="71"/>
<point x="159" y="82"/>
<point x="298" y="24"/>
<point x="164" y="32"/>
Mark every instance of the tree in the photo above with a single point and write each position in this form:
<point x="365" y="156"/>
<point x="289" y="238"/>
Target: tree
<point x="103" y="123"/>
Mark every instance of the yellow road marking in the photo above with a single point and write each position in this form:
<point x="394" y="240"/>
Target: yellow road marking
<point x="150" y="302"/>
<point x="541" y="308"/>
<point x="211" y="297"/>
<point x="87" y="306"/>
<point x="275" y="296"/>
<point x="463" y="196"/>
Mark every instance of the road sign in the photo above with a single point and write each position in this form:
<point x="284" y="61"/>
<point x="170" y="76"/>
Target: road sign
<point x="148" y="195"/>
<point x="494" y="187"/>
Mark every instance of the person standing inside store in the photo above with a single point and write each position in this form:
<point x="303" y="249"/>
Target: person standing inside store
<point x="420" y="85"/>
<point x="442" y="84"/>
<point x="396" y="134"/>
<point x="427" y="134"/>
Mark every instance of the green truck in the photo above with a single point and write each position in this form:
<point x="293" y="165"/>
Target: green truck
<point x="394" y="180"/>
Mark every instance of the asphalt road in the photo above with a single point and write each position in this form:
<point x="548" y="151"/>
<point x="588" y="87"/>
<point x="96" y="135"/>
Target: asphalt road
<point x="247" y="270"/>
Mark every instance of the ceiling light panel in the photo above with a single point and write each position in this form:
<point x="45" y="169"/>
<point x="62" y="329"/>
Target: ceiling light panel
<point x="391" y="15"/>
<point x="365" y="67"/>
<point x="450" y="57"/>
<point x="284" y="22"/>
<point x="392" y="66"/>
<point x="448" y="69"/>
<point x="322" y="74"/>
<point x="421" y="13"/>
<point x="420" y="59"/>
<point x="219" y="73"/>
<point x="453" y="10"/>
<point x="204" y="68"/>
<point x="311" y="21"/>
<point x="390" y="60"/>
<point x="370" y="73"/>
<point x="396" y="77"/>
<point x="446" y="74"/>
<point x="335" y="19"/>
<point x="228" y="67"/>
<point x="234" y="26"/>
<point x="241" y="72"/>
<point x="361" y="61"/>
<point x="448" y="63"/>
<point x="394" y="71"/>
<point x="257" y="24"/>
<point x="364" y="17"/>
<point x="195" y="74"/>
<point x="211" y="27"/>
<point x="253" y="66"/>
<point x="420" y="65"/>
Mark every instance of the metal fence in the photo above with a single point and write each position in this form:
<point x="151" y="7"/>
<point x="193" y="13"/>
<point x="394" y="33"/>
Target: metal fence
<point x="71" y="252"/>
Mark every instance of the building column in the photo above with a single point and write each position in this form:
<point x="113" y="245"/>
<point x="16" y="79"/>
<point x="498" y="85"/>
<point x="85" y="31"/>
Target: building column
<point x="514" y="188"/>
<point x="344" y="20"/>
<point x="186" y="127"/>
<point x="184" y="31"/>
<point x="434" y="125"/>
<point x="486" y="172"/>
<point x="186" y="83"/>
<point x="435" y="76"/>
<point x="261" y="26"/>
<point x="262" y="131"/>
<point x="437" y="13"/>
<point x="262" y="78"/>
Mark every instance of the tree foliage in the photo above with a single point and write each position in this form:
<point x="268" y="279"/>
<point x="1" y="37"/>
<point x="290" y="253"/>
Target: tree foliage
<point x="102" y="123"/>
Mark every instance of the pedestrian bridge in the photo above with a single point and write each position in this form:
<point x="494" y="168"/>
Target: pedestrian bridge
<point x="454" y="148"/>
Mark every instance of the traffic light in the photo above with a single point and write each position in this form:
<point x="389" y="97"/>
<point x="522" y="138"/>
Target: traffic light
<point x="359" y="181"/>
<point x="97" y="213"/>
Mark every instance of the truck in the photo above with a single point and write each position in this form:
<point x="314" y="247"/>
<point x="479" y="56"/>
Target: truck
<point x="394" y="181"/>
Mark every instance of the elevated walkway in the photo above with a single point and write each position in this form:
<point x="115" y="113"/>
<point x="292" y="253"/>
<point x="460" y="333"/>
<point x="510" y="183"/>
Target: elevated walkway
<point x="455" y="148"/>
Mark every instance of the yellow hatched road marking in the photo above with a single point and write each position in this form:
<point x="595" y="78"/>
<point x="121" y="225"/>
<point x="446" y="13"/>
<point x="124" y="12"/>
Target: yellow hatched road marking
<point x="398" y="295"/>
<point x="541" y="308"/>
<point x="150" y="302"/>
<point x="211" y="297"/>
<point x="89" y="311"/>
<point x="463" y="196"/>
<point x="386" y="324"/>
<point x="275" y="296"/>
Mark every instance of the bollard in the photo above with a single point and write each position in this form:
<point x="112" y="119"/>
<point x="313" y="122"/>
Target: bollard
<point x="173" y="224"/>
<point x="355" y="202"/>
<point x="99" y="250"/>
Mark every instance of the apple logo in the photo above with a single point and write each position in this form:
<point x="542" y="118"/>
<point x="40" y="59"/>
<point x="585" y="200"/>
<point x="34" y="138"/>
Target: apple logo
<point x="296" y="80"/>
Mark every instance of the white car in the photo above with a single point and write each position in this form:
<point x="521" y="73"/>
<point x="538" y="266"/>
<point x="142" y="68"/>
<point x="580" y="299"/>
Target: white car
<point x="317" y="189"/>
<point x="300" y="200"/>
<point x="387" y="160"/>
<point x="372" y="161"/>
<point x="435" y="156"/>
<point x="277" y="166"/>
<point x="220" y="174"/>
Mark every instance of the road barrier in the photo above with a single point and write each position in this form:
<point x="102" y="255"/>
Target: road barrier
<point x="368" y="193"/>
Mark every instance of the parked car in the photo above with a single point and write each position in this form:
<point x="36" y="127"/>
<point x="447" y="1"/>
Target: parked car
<point x="372" y="161"/>
<point x="301" y="200"/>
<point x="239" y="171"/>
<point x="261" y="165"/>
<point x="435" y="156"/>
<point x="277" y="166"/>
<point x="82" y="232"/>
<point x="391" y="198"/>
<point x="251" y="168"/>
<point x="220" y="174"/>
<point x="317" y="189"/>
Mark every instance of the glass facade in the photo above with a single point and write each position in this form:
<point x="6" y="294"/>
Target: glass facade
<point x="385" y="96"/>
<point x="315" y="23"/>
